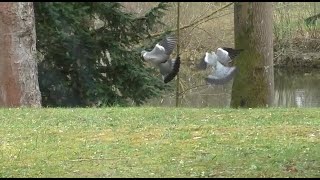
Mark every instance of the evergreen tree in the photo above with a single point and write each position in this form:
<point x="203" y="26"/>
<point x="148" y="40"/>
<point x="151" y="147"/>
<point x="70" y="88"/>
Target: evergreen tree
<point x="84" y="63"/>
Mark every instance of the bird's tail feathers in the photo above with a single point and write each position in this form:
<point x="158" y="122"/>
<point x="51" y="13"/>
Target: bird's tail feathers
<point x="224" y="80"/>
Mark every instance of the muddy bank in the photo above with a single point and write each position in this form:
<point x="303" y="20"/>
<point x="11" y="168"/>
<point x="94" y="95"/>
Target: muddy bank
<point x="303" y="53"/>
<point x="298" y="60"/>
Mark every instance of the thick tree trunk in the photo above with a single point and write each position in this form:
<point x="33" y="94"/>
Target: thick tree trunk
<point x="18" y="67"/>
<point x="254" y="84"/>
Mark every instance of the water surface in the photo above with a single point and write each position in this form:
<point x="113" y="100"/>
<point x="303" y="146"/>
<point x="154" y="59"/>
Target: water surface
<point x="293" y="88"/>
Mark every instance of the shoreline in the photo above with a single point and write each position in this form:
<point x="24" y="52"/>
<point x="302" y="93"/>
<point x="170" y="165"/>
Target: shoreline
<point x="298" y="60"/>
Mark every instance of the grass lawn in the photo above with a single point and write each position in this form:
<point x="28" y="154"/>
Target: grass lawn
<point x="160" y="142"/>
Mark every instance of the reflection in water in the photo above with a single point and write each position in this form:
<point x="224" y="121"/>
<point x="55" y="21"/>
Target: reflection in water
<point x="292" y="89"/>
<point x="297" y="88"/>
<point x="300" y="98"/>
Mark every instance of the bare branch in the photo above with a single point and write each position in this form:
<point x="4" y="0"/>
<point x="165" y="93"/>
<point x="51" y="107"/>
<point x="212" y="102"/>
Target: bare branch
<point x="200" y="21"/>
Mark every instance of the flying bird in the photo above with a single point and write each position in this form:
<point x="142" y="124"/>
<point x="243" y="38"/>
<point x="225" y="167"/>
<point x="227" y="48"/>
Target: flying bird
<point x="225" y="55"/>
<point x="220" y="60"/>
<point x="159" y="57"/>
<point x="221" y="74"/>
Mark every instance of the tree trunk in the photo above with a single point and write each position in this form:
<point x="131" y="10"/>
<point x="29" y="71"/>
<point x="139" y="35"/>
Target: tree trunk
<point x="18" y="67"/>
<point x="254" y="84"/>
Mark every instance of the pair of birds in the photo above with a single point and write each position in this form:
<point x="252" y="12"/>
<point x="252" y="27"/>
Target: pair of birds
<point x="220" y="61"/>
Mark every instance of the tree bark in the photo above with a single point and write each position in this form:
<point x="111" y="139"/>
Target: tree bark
<point x="18" y="67"/>
<point x="254" y="84"/>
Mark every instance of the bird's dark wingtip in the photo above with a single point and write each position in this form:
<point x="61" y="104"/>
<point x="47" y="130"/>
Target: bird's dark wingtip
<point x="232" y="50"/>
<point x="174" y="71"/>
<point x="233" y="53"/>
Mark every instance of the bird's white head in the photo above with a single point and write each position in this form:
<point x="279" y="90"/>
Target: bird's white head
<point x="210" y="58"/>
<point x="143" y="53"/>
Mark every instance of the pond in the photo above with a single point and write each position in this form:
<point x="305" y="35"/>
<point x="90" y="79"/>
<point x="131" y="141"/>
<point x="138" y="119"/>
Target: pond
<point x="293" y="88"/>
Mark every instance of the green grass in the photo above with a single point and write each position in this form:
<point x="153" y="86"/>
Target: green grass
<point x="160" y="142"/>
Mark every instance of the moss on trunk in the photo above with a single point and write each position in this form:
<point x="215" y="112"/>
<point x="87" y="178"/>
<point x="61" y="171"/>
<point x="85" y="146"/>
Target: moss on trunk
<point x="253" y="86"/>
